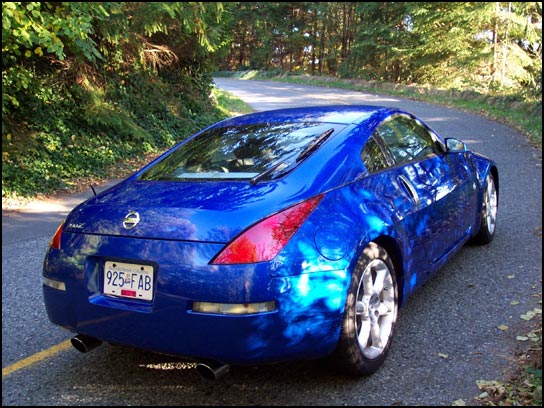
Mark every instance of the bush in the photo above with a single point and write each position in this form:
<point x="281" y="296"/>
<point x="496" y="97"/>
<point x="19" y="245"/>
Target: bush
<point x="65" y="132"/>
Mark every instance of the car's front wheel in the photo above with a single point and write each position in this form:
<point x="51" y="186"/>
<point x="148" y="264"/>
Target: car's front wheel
<point x="370" y="314"/>
<point x="488" y="213"/>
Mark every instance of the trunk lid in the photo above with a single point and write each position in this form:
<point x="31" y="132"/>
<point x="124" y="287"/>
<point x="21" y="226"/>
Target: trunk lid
<point x="208" y="211"/>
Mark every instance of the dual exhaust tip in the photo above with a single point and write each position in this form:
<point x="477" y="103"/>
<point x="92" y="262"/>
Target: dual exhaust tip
<point x="84" y="344"/>
<point x="211" y="370"/>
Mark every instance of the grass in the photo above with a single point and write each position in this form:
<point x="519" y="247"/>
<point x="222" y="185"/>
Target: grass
<point x="229" y="104"/>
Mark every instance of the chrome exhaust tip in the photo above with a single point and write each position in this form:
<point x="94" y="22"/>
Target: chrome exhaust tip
<point x="83" y="343"/>
<point x="212" y="370"/>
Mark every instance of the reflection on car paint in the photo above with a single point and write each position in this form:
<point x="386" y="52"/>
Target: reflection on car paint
<point x="406" y="193"/>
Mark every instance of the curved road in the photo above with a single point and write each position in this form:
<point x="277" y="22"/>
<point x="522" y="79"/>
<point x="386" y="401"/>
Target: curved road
<point x="448" y="334"/>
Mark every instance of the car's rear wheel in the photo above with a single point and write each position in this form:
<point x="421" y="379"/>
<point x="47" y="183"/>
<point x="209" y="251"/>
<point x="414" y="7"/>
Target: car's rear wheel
<point x="488" y="213"/>
<point x="370" y="314"/>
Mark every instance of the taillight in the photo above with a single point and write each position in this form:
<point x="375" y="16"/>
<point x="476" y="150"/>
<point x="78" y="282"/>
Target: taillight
<point x="55" y="241"/>
<point x="264" y="240"/>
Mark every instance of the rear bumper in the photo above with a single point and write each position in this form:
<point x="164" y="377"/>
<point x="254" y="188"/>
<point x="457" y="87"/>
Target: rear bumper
<point x="305" y="324"/>
<point x="302" y="327"/>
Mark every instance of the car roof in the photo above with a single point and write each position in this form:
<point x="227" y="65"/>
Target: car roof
<point x="341" y="114"/>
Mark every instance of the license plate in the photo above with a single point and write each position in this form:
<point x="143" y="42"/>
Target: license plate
<point x="128" y="280"/>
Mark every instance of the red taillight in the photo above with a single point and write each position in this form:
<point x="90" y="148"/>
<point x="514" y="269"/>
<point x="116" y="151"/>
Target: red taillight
<point x="55" y="241"/>
<point x="264" y="240"/>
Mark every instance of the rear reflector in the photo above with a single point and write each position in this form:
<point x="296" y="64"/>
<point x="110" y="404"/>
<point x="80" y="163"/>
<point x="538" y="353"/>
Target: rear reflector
<point x="54" y="284"/>
<point x="234" y="308"/>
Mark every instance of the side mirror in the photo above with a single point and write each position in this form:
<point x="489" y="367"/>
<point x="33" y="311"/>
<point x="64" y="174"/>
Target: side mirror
<point x="455" y="146"/>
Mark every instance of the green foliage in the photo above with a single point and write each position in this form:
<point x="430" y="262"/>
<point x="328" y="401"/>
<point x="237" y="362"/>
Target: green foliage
<point x="87" y="86"/>
<point x="35" y="34"/>
<point x="200" y="20"/>
<point x="228" y="104"/>
<point x="38" y="28"/>
<point x="111" y="80"/>
<point x="92" y="129"/>
<point x="466" y="45"/>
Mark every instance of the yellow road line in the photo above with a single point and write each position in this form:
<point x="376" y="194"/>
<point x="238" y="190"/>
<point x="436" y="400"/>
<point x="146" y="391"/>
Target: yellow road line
<point x="42" y="355"/>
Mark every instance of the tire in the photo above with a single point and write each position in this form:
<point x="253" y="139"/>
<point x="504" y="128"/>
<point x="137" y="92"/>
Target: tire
<point x="370" y="314"/>
<point x="488" y="213"/>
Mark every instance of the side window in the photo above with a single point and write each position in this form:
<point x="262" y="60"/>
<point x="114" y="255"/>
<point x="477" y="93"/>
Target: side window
<point x="373" y="157"/>
<point x="406" y="139"/>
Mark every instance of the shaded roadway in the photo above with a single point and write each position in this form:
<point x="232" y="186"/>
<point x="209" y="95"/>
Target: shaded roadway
<point x="448" y="334"/>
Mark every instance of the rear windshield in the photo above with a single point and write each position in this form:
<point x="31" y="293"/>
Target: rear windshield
<point x="238" y="152"/>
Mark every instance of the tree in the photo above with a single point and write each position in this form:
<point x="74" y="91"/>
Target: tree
<point x="478" y="45"/>
<point x="85" y="85"/>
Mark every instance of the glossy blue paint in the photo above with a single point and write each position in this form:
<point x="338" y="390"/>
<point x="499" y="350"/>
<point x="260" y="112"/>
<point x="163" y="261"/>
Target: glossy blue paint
<point x="422" y="211"/>
<point x="168" y="323"/>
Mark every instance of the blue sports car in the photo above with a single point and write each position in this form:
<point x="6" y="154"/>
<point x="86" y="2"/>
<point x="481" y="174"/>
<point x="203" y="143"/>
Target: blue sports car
<point x="283" y="235"/>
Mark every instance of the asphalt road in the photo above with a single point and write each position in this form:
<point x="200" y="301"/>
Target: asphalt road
<point x="447" y="339"/>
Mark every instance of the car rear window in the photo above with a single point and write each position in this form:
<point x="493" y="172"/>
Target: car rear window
<point x="237" y="152"/>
